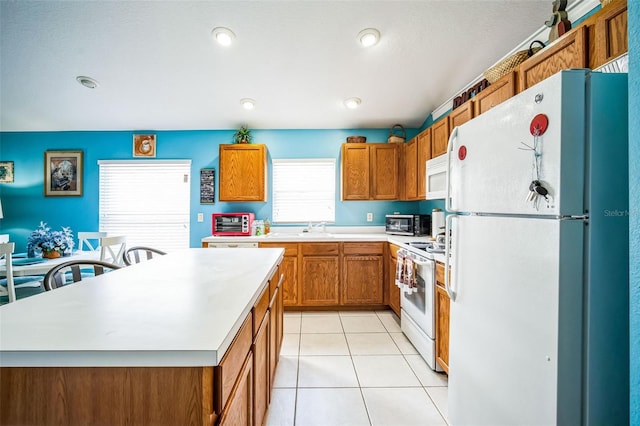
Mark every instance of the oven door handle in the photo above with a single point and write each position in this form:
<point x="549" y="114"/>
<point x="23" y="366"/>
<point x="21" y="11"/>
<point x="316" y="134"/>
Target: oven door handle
<point x="447" y="257"/>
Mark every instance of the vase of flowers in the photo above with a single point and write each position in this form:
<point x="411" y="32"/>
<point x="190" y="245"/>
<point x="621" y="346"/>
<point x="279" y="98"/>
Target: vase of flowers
<point x="53" y="244"/>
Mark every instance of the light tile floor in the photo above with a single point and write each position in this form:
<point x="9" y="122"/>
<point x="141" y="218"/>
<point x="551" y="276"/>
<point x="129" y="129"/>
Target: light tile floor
<point x="353" y="368"/>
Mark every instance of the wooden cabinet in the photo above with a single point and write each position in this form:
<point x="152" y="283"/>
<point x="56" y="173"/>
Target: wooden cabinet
<point x="439" y="137"/>
<point x="442" y="320"/>
<point x="385" y="163"/>
<point x="424" y="154"/>
<point x="240" y="409"/>
<point x="370" y="171"/>
<point x="320" y="275"/>
<point x="394" y="290"/>
<point x="569" y="51"/>
<point x="363" y="274"/>
<point x="288" y="267"/>
<point x="459" y="116"/>
<point x="243" y="172"/>
<point x="610" y="33"/>
<point x="410" y="161"/>
<point x="261" y="371"/>
<point x="332" y="274"/>
<point x="416" y="152"/>
<point x="495" y="94"/>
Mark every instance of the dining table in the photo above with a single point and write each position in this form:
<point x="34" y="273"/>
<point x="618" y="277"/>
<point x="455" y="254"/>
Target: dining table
<point x="38" y="266"/>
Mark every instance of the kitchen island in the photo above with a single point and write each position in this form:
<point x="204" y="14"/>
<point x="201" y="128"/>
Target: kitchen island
<point x="144" y="344"/>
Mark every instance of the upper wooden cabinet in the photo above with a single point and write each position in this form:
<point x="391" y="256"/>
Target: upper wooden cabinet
<point x="424" y="154"/>
<point x="370" y="171"/>
<point x="496" y="93"/>
<point x="460" y="115"/>
<point x="411" y="169"/>
<point x="439" y="137"/>
<point x="610" y="33"/>
<point x="569" y="51"/>
<point x="243" y="172"/>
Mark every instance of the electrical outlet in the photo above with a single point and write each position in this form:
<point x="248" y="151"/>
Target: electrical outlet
<point x="200" y="217"/>
<point x="369" y="217"/>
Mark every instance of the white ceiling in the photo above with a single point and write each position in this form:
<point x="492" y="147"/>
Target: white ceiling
<point x="159" y="69"/>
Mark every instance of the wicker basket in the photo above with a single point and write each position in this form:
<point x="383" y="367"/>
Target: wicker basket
<point x="356" y="139"/>
<point x="507" y="65"/>
<point x="397" y="134"/>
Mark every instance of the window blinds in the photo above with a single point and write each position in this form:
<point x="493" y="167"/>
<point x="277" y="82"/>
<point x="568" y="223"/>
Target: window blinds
<point x="146" y="200"/>
<point x="304" y="190"/>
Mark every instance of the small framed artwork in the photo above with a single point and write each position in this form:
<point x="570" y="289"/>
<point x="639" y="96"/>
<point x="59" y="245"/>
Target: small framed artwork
<point x="6" y="171"/>
<point x="144" y="146"/>
<point x="62" y="173"/>
<point x="207" y="186"/>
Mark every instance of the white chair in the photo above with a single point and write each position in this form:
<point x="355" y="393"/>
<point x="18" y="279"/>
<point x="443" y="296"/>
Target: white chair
<point x="12" y="288"/>
<point x="4" y="238"/>
<point x="112" y="249"/>
<point x="88" y="239"/>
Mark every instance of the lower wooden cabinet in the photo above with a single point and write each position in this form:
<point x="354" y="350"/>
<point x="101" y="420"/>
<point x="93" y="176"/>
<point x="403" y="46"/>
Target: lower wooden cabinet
<point x="240" y="409"/>
<point x="362" y="274"/>
<point x="320" y="275"/>
<point x="261" y="372"/>
<point x="288" y="267"/>
<point x="442" y="320"/>
<point x="394" y="290"/>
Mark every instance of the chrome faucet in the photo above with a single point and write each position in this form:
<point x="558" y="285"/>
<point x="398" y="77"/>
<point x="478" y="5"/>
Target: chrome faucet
<point x="321" y="225"/>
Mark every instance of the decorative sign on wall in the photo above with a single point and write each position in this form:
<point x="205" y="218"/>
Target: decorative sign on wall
<point x="62" y="173"/>
<point x="6" y="171"/>
<point x="144" y="146"/>
<point x="207" y="186"/>
<point x="470" y="92"/>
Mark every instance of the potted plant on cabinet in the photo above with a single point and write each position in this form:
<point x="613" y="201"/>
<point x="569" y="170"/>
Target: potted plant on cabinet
<point x="242" y="135"/>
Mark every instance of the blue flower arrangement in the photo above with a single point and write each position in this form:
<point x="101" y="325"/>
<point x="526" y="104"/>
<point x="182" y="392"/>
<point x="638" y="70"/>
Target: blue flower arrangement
<point x="45" y="239"/>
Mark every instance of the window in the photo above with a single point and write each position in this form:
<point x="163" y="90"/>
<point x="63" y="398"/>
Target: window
<point x="148" y="201"/>
<point x="304" y="190"/>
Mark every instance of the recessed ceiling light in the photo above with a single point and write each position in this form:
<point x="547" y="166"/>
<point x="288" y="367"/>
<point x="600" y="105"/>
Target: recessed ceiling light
<point x="369" y="37"/>
<point x="87" y="82"/>
<point x="223" y="35"/>
<point x="352" y="103"/>
<point x="247" y="103"/>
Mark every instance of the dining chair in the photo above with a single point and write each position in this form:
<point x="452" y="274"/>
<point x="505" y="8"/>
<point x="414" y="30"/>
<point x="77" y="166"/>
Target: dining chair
<point x="14" y="288"/>
<point x="112" y="249"/>
<point x="88" y="239"/>
<point x="75" y="270"/>
<point x="140" y="254"/>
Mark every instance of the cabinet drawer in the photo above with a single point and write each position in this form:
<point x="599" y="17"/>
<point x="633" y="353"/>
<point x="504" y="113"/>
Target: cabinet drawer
<point x="363" y="248"/>
<point x="231" y="365"/>
<point x="439" y="273"/>
<point x="290" y="249"/>
<point x="318" y="249"/>
<point x="260" y="309"/>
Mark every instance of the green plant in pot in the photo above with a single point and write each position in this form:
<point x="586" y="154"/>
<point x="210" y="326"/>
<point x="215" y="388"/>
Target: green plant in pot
<point x="243" y="135"/>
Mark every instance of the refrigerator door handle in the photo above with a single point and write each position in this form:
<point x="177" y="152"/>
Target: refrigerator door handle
<point x="447" y="257"/>
<point x="454" y="134"/>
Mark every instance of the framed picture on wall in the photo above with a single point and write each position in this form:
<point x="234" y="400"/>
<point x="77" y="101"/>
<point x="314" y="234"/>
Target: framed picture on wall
<point x="144" y="146"/>
<point x="6" y="171"/>
<point x="62" y="173"/>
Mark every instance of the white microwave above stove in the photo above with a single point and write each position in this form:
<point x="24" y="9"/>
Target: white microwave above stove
<point x="437" y="178"/>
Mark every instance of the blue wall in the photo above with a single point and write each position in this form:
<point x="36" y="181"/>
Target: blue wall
<point x="634" y="206"/>
<point x="25" y="205"/>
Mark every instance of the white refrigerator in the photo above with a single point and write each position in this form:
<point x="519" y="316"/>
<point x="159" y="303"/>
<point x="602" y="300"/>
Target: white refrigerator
<point x="538" y="254"/>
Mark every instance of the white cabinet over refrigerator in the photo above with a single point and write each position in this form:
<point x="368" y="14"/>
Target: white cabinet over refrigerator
<point x="539" y="288"/>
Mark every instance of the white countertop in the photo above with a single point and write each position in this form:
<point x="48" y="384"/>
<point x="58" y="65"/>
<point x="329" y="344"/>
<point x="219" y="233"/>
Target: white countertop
<point x="182" y="309"/>
<point x="333" y="234"/>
